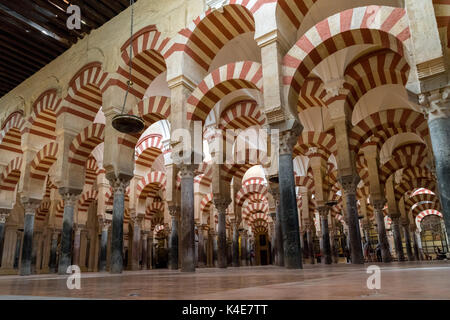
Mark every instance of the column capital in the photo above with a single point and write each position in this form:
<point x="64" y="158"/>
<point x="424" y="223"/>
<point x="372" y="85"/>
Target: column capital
<point x="349" y="183"/>
<point x="379" y="204"/>
<point x="4" y="214"/>
<point x="436" y="103"/>
<point x="323" y="211"/>
<point x="221" y="203"/>
<point x="119" y="185"/>
<point x="70" y="196"/>
<point x="104" y="224"/>
<point x="30" y="205"/>
<point x="174" y="211"/>
<point x="288" y="139"/>
<point x="187" y="170"/>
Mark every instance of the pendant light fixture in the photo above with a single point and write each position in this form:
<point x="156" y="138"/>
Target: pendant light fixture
<point x="127" y="123"/>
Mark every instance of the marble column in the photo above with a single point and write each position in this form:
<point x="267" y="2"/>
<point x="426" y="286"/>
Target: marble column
<point x="135" y="254"/>
<point x="187" y="232"/>
<point x="150" y="251"/>
<point x="235" y="253"/>
<point x="413" y="228"/>
<point x="144" y="241"/>
<point x="310" y="239"/>
<point x="4" y="213"/>
<point x="104" y="225"/>
<point x="30" y="206"/>
<point x="76" y="246"/>
<point x="275" y="192"/>
<point x="53" y="249"/>
<point x="397" y="237"/>
<point x="244" y="248"/>
<point x="436" y="106"/>
<point x="378" y="206"/>
<point x="119" y="186"/>
<point x="215" y="247"/>
<point x="70" y="198"/>
<point x="288" y="201"/>
<point x="174" y="212"/>
<point x="201" y="246"/>
<point x="349" y="184"/>
<point x="273" y="215"/>
<point x="221" y="204"/>
<point x="326" y="254"/>
<point x="409" y="252"/>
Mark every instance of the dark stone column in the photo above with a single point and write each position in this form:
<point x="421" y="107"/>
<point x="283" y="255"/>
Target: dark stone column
<point x="104" y="245"/>
<point x="30" y="206"/>
<point x="235" y="253"/>
<point x="397" y="237"/>
<point x="244" y="248"/>
<point x="273" y="215"/>
<point x="310" y="238"/>
<point x="119" y="186"/>
<point x="136" y="242"/>
<point x="173" y="238"/>
<point x="4" y="213"/>
<point x="381" y="230"/>
<point x="437" y="110"/>
<point x="70" y="198"/>
<point x="288" y="202"/>
<point x="150" y="251"/>
<point x="201" y="246"/>
<point x="76" y="246"/>
<point x="187" y="232"/>
<point x="279" y="249"/>
<point x="215" y="252"/>
<point x="413" y="228"/>
<point x="221" y="204"/>
<point x="409" y="252"/>
<point x="326" y="254"/>
<point x="349" y="184"/>
<point x="53" y="249"/>
<point x="144" y="241"/>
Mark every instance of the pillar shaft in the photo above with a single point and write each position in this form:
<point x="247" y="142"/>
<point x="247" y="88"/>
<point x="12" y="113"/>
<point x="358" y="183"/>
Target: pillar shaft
<point x="65" y="258"/>
<point x="310" y="239"/>
<point x="187" y="232"/>
<point x="103" y="248"/>
<point x="221" y="235"/>
<point x="2" y="233"/>
<point x="135" y="254"/>
<point x="397" y="238"/>
<point x="323" y="211"/>
<point x="28" y="229"/>
<point x="53" y="249"/>
<point x="349" y="184"/>
<point x="381" y="230"/>
<point x="76" y="247"/>
<point x="288" y="203"/>
<point x="173" y="238"/>
<point x="235" y="255"/>
<point x="409" y="251"/>
<point x="116" y="262"/>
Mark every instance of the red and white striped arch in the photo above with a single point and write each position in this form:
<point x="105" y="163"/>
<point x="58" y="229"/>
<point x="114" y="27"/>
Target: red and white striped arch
<point x="420" y="197"/>
<point x="242" y="115"/>
<point x="205" y="178"/>
<point x="205" y="204"/>
<point x="422" y="191"/>
<point x="427" y="213"/>
<point x="257" y="197"/>
<point x="86" y="199"/>
<point x="258" y="216"/>
<point x="312" y="94"/>
<point x="386" y="27"/>
<point x="11" y="133"/>
<point x="254" y="180"/>
<point x="294" y="11"/>
<point x="305" y="181"/>
<point x="11" y="175"/>
<point x="153" y="109"/>
<point x="42" y="121"/>
<point x="252" y="208"/>
<point x="43" y="161"/>
<point x="150" y="184"/>
<point x="153" y="209"/>
<point x="84" y="97"/>
<point x="150" y="51"/>
<point x="248" y="190"/>
<point x="209" y="33"/>
<point x="324" y="142"/>
<point x="416" y="172"/>
<point x="82" y="146"/>
<point x="385" y="124"/>
<point x="219" y="83"/>
<point x="148" y="149"/>
<point x="60" y="209"/>
<point x="409" y="185"/>
<point x="410" y="155"/>
<point x="92" y="171"/>
<point x="43" y="210"/>
<point x="442" y="12"/>
<point x="374" y="70"/>
<point x="423" y="206"/>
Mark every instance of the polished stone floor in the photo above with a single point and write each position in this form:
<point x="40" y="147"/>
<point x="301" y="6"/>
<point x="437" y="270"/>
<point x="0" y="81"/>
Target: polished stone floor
<point x="408" y="280"/>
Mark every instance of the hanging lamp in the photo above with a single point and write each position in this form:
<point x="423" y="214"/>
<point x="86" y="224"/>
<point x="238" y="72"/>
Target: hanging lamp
<point x="128" y="123"/>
